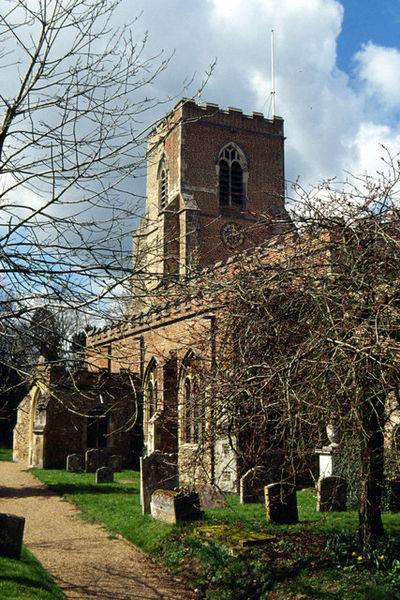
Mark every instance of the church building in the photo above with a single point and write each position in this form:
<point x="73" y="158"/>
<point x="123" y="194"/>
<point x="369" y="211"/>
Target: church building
<point x="215" y="194"/>
<point x="215" y="189"/>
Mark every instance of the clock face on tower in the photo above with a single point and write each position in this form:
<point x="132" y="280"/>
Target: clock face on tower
<point x="232" y="235"/>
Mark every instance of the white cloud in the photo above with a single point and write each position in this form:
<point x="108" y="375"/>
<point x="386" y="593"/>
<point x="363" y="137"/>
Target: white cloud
<point x="379" y="68"/>
<point x="374" y="156"/>
<point x="334" y="121"/>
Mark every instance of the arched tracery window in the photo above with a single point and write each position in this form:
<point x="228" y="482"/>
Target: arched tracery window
<point x="163" y="177"/>
<point x="150" y="391"/>
<point x="193" y="407"/>
<point x="232" y="170"/>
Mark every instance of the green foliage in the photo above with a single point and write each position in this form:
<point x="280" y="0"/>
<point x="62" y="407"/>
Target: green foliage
<point x="382" y="558"/>
<point x="234" y="578"/>
<point x="25" y="579"/>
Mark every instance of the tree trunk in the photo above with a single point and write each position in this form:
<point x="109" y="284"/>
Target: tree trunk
<point x="371" y="472"/>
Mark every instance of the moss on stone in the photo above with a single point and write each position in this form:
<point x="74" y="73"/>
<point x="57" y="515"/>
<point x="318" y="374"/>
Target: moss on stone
<point x="232" y="539"/>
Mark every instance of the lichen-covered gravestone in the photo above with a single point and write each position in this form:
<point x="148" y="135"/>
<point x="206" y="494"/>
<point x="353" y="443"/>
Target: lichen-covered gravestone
<point x="157" y="471"/>
<point x="252" y="485"/>
<point x="331" y="494"/>
<point x="96" y="458"/>
<point x="210" y="496"/>
<point x="281" y="503"/>
<point x="75" y="463"/>
<point x="171" y="507"/>
<point x="11" y="534"/>
<point x="104" y="475"/>
<point x="115" y="463"/>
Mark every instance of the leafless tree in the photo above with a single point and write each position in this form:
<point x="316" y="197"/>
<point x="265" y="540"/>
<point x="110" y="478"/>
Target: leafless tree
<point x="76" y="91"/>
<point x="311" y="337"/>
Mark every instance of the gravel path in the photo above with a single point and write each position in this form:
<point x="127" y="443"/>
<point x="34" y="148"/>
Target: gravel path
<point x="81" y="557"/>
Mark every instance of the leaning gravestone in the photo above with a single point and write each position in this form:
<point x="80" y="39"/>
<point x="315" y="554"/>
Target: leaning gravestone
<point x="75" y="463"/>
<point x="281" y="503"/>
<point x="157" y="471"/>
<point x="104" y="475"/>
<point x="252" y="485"/>
<point x="11" y="534"/>
<point x="331" y="494"/>
<point x="115" y="463"/>
<point x="171" y="507"/>
<point x="96" y="458"/>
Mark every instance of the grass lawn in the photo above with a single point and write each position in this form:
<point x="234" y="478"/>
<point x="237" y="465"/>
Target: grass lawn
<point x="6" y="454"/>
<point x="295" y="566"/>
<point x="25" y="579"/>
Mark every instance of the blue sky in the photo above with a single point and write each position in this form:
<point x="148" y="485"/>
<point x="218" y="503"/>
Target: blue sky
<point x="367" y="20"/>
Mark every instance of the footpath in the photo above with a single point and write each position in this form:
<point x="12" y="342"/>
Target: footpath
<point x="85" y="560"/>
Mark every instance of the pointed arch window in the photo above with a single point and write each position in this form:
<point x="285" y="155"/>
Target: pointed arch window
<point x="150" y="392"/>
<point x="232" y="171"/>
<point x="193" y="408"/>
<point x="163" y="177"/>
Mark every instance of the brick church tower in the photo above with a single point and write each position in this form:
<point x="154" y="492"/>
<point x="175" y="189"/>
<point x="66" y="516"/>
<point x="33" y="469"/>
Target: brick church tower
<point x="215" y="186"/>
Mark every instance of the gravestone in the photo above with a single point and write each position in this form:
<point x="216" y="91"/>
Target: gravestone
<point x="394" y="495"/>
<point x="157" y="471"/>
<point x="104" y="475"/>
<point x="210" y="496"/>
<point x="331" y="494"/>
<point x="171" y="507"/>
<point x="115" y="463"/>
<point x="96" y="458"/>
<point x="252" y="485"/>
<point x="11" y="534"/>
<point x="75" y="463"/>
<point x="281" y="503"/>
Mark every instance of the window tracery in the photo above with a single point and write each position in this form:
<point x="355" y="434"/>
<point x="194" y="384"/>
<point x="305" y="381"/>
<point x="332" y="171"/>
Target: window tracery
<point x="193" y="410"/>
<point x="232" y="170"/>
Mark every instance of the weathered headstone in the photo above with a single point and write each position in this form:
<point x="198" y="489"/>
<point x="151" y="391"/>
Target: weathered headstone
<point x="252" y="485"/>
<point x="157" y="471"/>
<point x="171" y="507"/>
<point x="75" y="463"/>
<point x="394" y="495"/>
<point x="210" y="496"/>
<point x="331" y="494"/>
<point x="96" y="458"/>
<point x="11" y="534"/>
<point x="281" y="503"/>
<point x="104" y="475"/>
<point x="115" y="463"/>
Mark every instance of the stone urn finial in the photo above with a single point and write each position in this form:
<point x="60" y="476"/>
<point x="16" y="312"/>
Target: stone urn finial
<point x="333" y="433"/>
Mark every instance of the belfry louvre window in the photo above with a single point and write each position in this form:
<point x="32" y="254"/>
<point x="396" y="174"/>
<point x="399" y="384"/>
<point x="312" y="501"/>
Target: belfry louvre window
<point x="231" y="165"/>
<point x="163" y="183"/>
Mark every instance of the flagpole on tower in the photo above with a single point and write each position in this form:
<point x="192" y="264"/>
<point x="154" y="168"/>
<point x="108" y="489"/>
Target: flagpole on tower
<point x="272" y="74"/>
